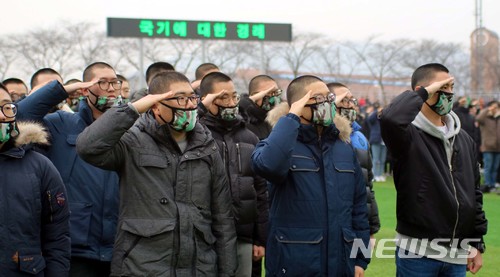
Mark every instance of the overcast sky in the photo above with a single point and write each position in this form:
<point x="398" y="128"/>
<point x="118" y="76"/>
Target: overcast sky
<point x="442" y="20"/>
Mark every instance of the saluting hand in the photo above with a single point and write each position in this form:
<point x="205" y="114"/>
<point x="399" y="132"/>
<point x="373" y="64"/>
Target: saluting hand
<point x="209" y="98"/>
<point x="436" y="86"/>
<point x="261" y="94"/>
<point x="299" y="105"/>
<point x="144" y="104"/>
<point x="80" y="85"/>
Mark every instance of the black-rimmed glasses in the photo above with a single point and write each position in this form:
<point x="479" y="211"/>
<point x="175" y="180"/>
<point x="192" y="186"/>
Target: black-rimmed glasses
<point x="183" y="100"/>
<point x="9" y="110"/>
<point x="347" y="101"/>
<point x="320" y="98"/>
<point x="226" y="99"/>
<point x="104" y="85"/>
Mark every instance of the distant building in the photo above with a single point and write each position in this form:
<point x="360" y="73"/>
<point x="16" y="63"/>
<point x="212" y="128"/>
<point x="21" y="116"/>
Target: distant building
<point x="485" y="66"/>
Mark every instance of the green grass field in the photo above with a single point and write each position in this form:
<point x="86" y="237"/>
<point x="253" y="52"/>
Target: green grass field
<point x="385" y="194"/>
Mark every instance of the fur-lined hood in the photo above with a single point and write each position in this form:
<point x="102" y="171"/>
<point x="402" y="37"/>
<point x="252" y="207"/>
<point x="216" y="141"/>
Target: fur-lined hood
<point x="342" y="124"/>
<point x="31" y="133"/>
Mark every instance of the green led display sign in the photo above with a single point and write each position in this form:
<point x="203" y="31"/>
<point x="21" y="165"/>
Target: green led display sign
<point x="185" y="29"/>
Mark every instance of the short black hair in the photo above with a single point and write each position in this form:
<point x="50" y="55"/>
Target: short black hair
<point x="162" y="81"/>
<point x="207" y="83"/>
<point x="156" y="68"/>
<point x="72" y="81"/>
<point x="333" y="85"/>
<point x="296" y="88"/>
<point x="423" y="74"/>
<point x="121" y="78"/>
<point x="252" y="86"/>
<point x="202" y="70"/>
<point x="14" y="81"/>
<point x="2" y="86"/>
<point x="46" y="70"/>
<point x="88" y="73"/>
<point x="491" y="103"/>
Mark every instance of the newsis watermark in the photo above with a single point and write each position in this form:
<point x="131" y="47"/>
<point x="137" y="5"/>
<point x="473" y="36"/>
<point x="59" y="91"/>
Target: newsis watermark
<point x="414" y="248"/>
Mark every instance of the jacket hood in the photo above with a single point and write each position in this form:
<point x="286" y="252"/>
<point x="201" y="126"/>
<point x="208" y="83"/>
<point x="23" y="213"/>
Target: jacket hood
<point x="341" y="123"/>
<point x="452" y="123"/>
<point x="220" y="125"/>
<point x="451" y="120"/>
<point x="31" y="133"/>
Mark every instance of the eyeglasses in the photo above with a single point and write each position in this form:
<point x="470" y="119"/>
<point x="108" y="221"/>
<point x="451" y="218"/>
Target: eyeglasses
<point x="320" y="98"/>
<point x="9" y="110"/>
<point x="276" y="92"/>
<point x="183" y="100"/>
<point x="347" y="101"/>
<point x="226" y="99"/>
<point x="17" y="96"/>
<point x="104" y="85"/>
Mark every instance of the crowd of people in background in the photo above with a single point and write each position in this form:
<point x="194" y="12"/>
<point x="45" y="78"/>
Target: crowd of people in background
<point x="194" y="178"/>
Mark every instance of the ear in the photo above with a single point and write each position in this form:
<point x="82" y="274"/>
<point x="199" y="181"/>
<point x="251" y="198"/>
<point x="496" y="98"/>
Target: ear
<point x="85" y="92"/>
<point x="418" y="87"/>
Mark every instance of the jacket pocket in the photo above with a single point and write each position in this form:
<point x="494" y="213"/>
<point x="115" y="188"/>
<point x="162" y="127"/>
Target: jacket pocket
<point x="299" y="252"/>
<point x="147" y="242"/>
<point x="31" y="261"/>
<point x="348" y="238"/>
<point x="206" y="257"/>
<point x="304" y="163"/>
<point x="346" y="186"/>
<point x="152" y="160"/>
<point x="81" y="214"/>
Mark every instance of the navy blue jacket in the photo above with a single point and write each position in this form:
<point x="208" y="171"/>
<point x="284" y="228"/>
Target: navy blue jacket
<point x="34" y="213"/>
<point x="362" y="149"/>
<point x="318" y="201"/>
<point x="92" y="192"/>
<point x="374" y="123"/>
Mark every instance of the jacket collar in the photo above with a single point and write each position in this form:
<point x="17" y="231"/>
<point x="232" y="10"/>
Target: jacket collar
<point x="85" y="112"/>
<point x="220" y="125"/>
<point x="30" y="133"/>
<point x="200" y="136"/>
<point x="341" y="128"/>
<point x="255" y="113"/>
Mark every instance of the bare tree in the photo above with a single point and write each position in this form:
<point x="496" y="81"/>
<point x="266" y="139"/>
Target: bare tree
<point x="336" y="60"/>
<point x="380" y="59"/>
<point x="297" y="52"/>
<point x="46" y="48"/>
<point x="90" y="44"/>
<point x="7" y="57"/>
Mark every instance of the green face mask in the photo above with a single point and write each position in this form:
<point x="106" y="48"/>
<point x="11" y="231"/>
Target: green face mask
<point x="228" y="113"/>
<point x="8" y="130"/>
<point x="184" y="120"/>
<point x="350" y="114"/>
<point x="268" y="102"/>
<point x="444" y="104"/>
<point x="323" y="114"/>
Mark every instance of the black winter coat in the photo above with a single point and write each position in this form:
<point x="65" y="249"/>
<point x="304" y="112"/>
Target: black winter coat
<point x="249" y="191"/>
<point x="438" y="195"/>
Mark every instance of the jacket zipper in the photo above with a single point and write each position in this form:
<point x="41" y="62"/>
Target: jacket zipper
<point x="49" y="197"/>
<point x="239" y="157"/>
<point x="456" y="198"/>
<point x="224" y="155"/>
